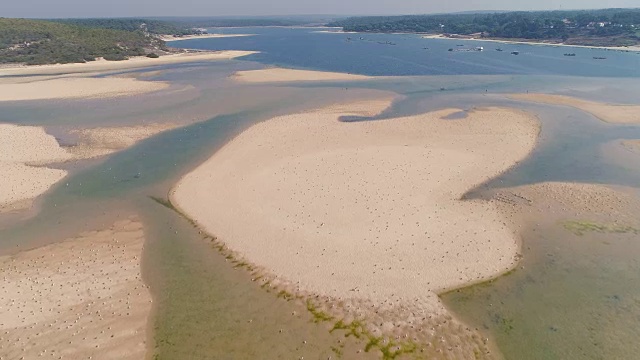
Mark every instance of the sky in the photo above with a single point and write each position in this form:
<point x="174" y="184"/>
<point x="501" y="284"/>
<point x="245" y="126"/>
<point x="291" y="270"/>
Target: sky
<point x="128" y="8"/>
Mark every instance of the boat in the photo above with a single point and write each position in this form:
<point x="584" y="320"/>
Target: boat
<point x="515" y="53"/>
<point x="570" y="54"/>
<point x="450" y="49"/>
<point x="479" y="48"/>
<point x="599" y="58"/>
<point x="498" y="49"/>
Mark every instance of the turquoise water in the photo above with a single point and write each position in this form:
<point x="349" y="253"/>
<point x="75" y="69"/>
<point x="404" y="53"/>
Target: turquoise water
<point x="215" y="108"/>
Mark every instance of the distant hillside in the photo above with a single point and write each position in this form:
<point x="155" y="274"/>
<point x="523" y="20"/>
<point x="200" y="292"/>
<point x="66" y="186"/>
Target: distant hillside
<point x="155" y="27"/>
<point x="45" y="42"/>
<point x="206" y="22"/>
<point x="606" y="27"/>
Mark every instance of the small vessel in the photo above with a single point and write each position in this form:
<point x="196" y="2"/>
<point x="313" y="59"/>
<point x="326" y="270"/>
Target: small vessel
<point x="515" y="53"/>
<point x="460" y="45"/>
<point x="498" y="49"/>
<point x="599" y="58"/>
<point x="570" y="54"/>
<point x="450" y="50"/>
<point x="479" y="48"/>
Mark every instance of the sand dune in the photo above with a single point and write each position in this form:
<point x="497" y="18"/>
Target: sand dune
<point x="132" y="63"/>
<point x="287" y="75"/>
<point x="613" y="113"/>
<point x="364" y="210"/>
<point x="79" y="299"/>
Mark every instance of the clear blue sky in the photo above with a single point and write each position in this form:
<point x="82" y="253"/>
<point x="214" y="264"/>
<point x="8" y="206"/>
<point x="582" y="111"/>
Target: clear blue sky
<point x="113" y="8"/>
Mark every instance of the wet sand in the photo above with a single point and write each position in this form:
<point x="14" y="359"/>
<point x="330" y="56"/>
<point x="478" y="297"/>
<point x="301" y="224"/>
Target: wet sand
<point x="272" y="75"/>
<point x="367" y="210"/>
<point x="81" y="298"/>
<point x="26" y="151"/>
<point x="612" y="113"/>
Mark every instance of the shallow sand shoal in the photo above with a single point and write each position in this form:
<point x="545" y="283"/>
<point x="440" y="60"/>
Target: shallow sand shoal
<point x="286" y="75"/>
<point x="367" y="210"/>
<point x="132" y="63"/>
<point x="203" y="36"/>
<point x="25" y="152"/>
<point x="73" y="88"/>
<point x="79" y="299"/>
<point x="94" y="142"/>
<point x="613" y="113"/>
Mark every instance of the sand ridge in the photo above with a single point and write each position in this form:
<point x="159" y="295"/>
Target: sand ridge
<point x="81" y="298"/>
<point x="203" y="36"/>
<point x="368" y="209"/>
<point x="271" y="75"/>
<point x="612" y="113"/>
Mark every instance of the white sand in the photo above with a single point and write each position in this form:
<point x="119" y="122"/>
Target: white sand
<point x="21" y="146"/>
<point x="79" y="299"/>
<point x="364" y="210"/>
<point x="203" y="36"/>
<point x="135" y="62"/>
<point x="287" y="75"/>
<point x="613" y="113"/>
<point x="69" y="88"/>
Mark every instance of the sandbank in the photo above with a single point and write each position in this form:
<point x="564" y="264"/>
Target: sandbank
<point x="81" y="298"/>
<point x="271" y="75"/>
<point x="203" y="36"/>
<point x="73" y="88"/>
<point x="612" y="113"/>
<point x="132" y="63"/>
<point x="26" y="150"/>
<point x="367" y="210"/>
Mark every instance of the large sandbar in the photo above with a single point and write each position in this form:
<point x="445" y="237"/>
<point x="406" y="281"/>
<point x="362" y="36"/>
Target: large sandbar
<point x="272" y="75"/>
<point x="370" y="209"/>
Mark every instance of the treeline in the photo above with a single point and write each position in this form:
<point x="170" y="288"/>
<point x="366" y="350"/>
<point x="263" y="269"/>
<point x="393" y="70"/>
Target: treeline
<point x="155" y="27"/>
<point x="558" y="25"/>
<point x="234" y="22"/>
<point x="44" y="42"/>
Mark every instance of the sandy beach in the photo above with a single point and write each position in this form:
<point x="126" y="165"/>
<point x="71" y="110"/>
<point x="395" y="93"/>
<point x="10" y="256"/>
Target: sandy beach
<point x="203" y="36"/>
<point x="81" y="298"/>
<point x="272" y="75"/>
<point x="132" y="63"/>
<point x="612" y="113"/>
<point x="516" y="42"/>
<point x="366" y="210"/>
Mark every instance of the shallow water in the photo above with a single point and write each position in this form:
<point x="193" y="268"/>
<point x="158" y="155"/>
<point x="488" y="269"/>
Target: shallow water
<point x="220" y="312"/>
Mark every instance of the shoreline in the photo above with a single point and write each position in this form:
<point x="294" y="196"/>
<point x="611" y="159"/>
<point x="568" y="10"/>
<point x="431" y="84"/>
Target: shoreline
<point x="171" y="38"/>
<point x="276" y="74"/>
<point x="132" y="63"/>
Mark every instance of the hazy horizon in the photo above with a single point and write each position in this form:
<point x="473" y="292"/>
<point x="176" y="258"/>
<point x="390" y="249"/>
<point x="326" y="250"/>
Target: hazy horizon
<point x="255" y="8"/>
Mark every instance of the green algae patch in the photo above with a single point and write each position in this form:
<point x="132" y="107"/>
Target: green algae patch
<point x="580" y="228"/>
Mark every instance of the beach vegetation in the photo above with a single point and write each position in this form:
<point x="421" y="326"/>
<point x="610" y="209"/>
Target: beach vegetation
<point x="36" y="42"/>
<point x="605" y="27"/>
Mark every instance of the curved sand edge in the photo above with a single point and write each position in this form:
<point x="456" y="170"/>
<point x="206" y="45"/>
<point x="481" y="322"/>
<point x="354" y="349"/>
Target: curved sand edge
<point x="26" y="150"/>
<point x="170" y="38"/>
<point x="80" y="298"/>
<point x="612" y="113"/>
<point x="364" y="210"/>
<point x="272" y="75"/>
